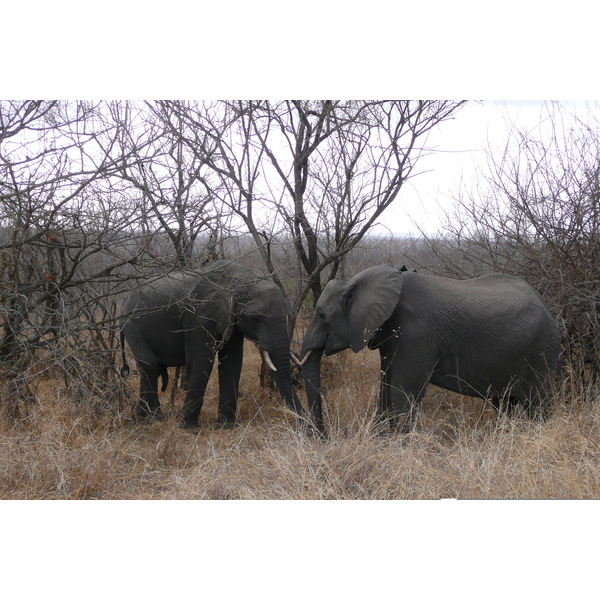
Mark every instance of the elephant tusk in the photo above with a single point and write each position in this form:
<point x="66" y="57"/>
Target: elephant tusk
<point x="301" y="363"/>
<point x="295" y="359"/>
<point x="268" y="360"/>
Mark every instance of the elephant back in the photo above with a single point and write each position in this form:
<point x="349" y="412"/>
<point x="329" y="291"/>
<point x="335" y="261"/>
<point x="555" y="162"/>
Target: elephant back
<point x="228" y="269"/>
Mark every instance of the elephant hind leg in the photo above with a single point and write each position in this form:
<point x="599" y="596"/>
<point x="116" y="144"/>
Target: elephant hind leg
<point x="532" y="394"/>
<point x="531" y="403"/>
<point x="148" y="406"/>
<point x="540" y="397"/>
<point x="534" y="391"/>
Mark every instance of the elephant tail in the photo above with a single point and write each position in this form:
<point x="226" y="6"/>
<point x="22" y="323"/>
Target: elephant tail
<point x="164" y="374"/>
<point x="125" y="367"/>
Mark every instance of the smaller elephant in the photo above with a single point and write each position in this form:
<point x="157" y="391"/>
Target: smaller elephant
<point x="491" y="337"/>
<point x="188" y="317"/>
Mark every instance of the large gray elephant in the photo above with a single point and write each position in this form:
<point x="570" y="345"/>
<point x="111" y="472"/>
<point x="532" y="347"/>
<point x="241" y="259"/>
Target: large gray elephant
<point x="186" y="318"/>
<point x="491" y="337"/>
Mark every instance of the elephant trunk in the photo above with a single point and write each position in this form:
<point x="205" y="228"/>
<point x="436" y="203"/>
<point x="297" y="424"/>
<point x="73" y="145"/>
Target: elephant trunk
<point x="311" y="372"/>
<point x="280" y="359"/>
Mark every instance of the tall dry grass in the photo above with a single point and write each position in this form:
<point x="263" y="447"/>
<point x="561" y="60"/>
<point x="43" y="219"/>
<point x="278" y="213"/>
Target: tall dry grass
<point x="64" y="450"/>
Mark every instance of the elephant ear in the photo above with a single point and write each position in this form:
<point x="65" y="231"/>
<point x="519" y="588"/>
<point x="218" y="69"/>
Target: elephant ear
<point x="371" y="297"/>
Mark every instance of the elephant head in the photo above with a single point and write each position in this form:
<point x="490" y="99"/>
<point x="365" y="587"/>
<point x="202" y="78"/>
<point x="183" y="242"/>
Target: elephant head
<point x="260" y="313"/>
<point x="347" y="315"/>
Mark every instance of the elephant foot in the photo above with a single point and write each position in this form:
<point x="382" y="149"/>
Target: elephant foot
<point x="310" y="427"/>
<point x="389" y="430"/>
<point x="189" y="425"/>
<point x="382" y="432"/>
<point x="146" y="415"/>
<point x="382" y="426"/>
<point x="311" y="431"/>
<point x="150" y="419"/>
<point x="229" y="424"/>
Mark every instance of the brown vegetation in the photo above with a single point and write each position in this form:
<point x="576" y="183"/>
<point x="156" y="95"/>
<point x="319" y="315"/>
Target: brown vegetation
<point x="66" y="450"/>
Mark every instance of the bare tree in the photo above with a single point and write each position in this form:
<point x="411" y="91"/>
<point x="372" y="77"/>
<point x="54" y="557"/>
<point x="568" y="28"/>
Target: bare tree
<point x="317" y="174"/>
<point x="175" y="196"/>
<point x="65" y="242"/>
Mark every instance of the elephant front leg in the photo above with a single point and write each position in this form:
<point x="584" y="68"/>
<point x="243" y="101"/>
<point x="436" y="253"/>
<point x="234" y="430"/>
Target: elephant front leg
<point x="392" y="405"/>
<point x="198" y="376"/>
<point x="403" y="407"/>
<point x="230" y="368"/>
<point x="403" y="385"/>
<point x="383" y="413"/>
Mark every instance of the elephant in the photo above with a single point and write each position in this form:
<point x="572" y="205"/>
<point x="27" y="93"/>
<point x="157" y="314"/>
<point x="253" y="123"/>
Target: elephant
<point x="187" y="318"/>
<point x="489" y="337"/>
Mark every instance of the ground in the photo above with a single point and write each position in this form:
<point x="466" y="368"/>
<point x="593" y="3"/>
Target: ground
<point x="64" y="450"/>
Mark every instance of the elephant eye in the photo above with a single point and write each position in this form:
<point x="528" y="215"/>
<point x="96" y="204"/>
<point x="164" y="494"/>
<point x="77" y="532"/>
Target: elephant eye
<point x="321" y="315"/>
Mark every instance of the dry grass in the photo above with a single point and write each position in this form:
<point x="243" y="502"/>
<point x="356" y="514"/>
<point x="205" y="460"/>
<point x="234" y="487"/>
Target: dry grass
<point x="64" y="451"/>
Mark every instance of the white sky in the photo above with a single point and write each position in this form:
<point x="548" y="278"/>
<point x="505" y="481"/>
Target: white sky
<point x="460" y="146"/>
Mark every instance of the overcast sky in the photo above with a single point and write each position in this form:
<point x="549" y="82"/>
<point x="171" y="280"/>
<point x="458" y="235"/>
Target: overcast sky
<point x="460" y="147"/>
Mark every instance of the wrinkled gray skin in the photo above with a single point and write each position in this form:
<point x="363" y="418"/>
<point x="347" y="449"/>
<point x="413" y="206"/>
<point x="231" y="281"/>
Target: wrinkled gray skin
<point x="490" y="337"/>
<point x="187" y="318"/>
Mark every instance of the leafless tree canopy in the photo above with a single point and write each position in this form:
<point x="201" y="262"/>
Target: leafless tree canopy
<point x="316" y="174"/>
<point x="95" y="195"/>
